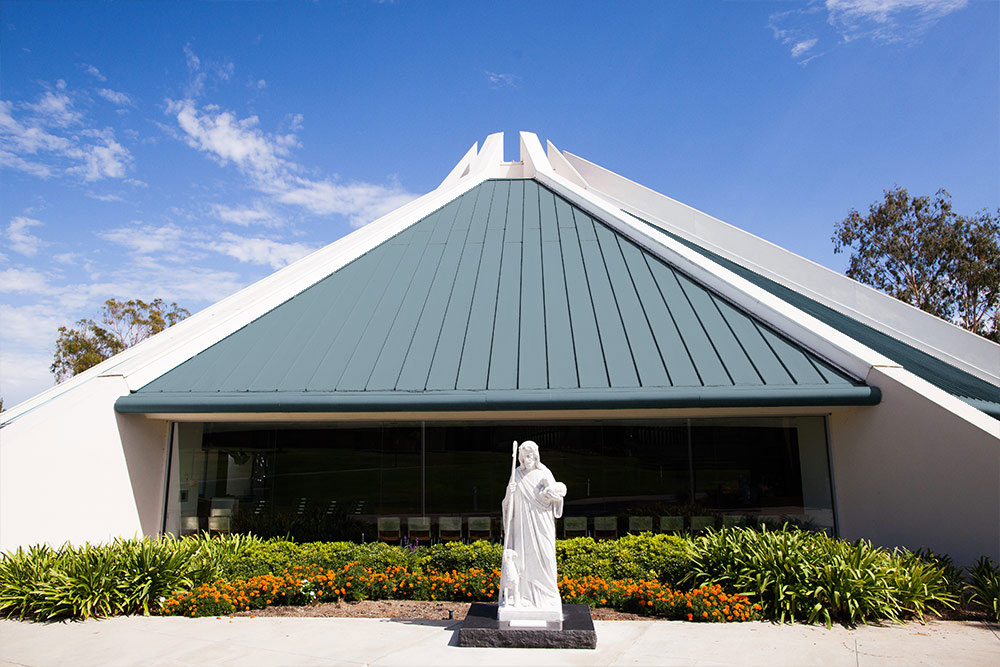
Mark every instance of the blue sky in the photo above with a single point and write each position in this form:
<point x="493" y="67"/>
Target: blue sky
<point x="184" y="150"/>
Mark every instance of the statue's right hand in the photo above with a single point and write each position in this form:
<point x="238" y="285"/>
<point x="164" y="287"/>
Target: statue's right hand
<point x="511" y="487"/>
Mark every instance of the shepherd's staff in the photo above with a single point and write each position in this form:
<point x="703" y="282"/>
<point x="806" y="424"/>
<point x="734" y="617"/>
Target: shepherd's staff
<point x="506" y="518"/>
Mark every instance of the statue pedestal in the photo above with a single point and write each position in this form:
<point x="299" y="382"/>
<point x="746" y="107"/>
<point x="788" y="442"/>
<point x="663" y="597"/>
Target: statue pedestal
<point x="528" y="615"/>
<point x="574" y="628"/>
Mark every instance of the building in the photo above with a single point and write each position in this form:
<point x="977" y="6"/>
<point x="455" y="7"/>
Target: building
<point x="667" y="363"/>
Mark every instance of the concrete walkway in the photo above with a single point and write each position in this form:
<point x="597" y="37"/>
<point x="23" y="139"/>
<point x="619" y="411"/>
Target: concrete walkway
<point x="362" y="641"/>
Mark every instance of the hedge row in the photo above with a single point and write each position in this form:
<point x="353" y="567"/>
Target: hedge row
<point x="793" y="575"/>
<point x="663" y="558"/>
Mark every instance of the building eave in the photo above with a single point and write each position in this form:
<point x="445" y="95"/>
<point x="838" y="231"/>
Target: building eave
<point x="489" y="400"/>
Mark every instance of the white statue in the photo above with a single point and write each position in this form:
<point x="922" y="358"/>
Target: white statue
<point x="534" y="500"/>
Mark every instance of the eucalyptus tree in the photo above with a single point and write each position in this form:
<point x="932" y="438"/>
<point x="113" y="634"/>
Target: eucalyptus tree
<point x="122" y="325"/>
<point x="920" y="251"/>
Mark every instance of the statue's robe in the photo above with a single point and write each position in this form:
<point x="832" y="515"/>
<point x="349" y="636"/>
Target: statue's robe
<point x="529" y="519"/>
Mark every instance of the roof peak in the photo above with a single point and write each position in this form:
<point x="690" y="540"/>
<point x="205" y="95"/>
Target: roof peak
<point x="488" y="161"/>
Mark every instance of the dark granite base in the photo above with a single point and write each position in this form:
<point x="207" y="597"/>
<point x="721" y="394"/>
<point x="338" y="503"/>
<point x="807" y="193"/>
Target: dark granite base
<point x="481" y="628"/>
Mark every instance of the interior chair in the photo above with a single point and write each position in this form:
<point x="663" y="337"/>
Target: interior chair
<point x="450" y="528"/>
<point x="418" y="528"/>
<point x="574" y="526"/>
<point x="480" y="528"/>
<point x="671" y="524"/>
<point x="640" y="524"/>
<point x="699" y="523"/>
<point x="605" y="527"/>
<point x="388" y="529"/>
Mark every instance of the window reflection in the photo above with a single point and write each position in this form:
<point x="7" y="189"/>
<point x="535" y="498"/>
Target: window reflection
<point x="334" y="481"/>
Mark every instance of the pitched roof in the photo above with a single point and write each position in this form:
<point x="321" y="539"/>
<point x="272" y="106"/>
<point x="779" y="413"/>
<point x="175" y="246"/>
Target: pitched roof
<point x="507" y="297"/>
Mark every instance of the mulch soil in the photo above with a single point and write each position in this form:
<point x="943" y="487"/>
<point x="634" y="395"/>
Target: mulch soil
<point x="403" y="609"/>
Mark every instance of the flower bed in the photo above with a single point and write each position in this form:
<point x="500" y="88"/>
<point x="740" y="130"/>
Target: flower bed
<point x="793" y="575"/>
<point x="308" y="584"/>
<point x="708" y="603"/>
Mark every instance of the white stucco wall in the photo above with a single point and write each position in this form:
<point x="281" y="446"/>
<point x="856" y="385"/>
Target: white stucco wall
<point x="909" y="472"/>
<point x="73" y="469"/>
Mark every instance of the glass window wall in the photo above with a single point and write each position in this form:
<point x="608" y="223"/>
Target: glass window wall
<point x="334" y="481"/>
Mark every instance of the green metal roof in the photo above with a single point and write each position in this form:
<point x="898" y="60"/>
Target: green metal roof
<point x="980" y="394"/>
<point x="508" y="297"/>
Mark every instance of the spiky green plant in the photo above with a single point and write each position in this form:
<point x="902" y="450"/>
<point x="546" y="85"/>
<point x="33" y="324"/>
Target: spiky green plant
<point x="984" y="586"/>
<point x="805" y="576"/>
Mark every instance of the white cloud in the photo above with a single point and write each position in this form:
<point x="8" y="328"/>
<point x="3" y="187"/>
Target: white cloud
<point x="147" y="239"/>
<point x="93" y="71"/>
<point x="116" y="98"/>
<point x="804" y="46"/>
<point x="260" y="251"/>
<point x="55" y="108"/>
<point x="499" y="80"/>
<point x="25" y="324"/>
<point x="229" y="139"/>
<point x="888" y="20"/>
<point x="266" y="159"/>
<point x="42" y="144"/>
<point x="11" y="161"/>
<point x="108" y="159"/>
<point x="151" y="244"/>
<point x="360" y="203"/>
<point x="258" y="214"/>
<point x="199" y="73"/>
<point x="193" y="62"/>
<point x="24" y="372"/>
<point x="20" y="239"/>
<point x="24" y="281"/>
<point x="845" y="21"/>
<point x="104" y="197"/>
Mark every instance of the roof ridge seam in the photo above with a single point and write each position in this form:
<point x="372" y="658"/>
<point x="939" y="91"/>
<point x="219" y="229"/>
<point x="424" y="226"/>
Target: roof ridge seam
<point x="475" y="284"/>
<point x="642" y="307"/>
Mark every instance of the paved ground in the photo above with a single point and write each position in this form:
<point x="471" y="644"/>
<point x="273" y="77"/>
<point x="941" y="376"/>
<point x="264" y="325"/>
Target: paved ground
<point x="364" y="641"/>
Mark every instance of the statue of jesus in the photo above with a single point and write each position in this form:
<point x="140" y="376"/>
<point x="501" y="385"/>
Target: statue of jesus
<point x="534" y="500"/>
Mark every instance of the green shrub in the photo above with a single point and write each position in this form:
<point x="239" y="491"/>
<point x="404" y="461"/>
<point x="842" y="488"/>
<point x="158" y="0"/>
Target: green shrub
<point x="806" y="576"/>
<point x="984" y="586"/>
<point x="954" y="575"/>
<point x="277" y="555"/>
<point x="380" y="556"/>
<point x="24" y="575"/>
<point x="663" y="558"/>
<point x="264" y="557"/>
<point x="580" y="557"/>
<point x="448" y="556"/>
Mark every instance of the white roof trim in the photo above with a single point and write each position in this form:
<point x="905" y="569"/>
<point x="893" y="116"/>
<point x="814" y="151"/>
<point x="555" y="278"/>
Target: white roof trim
<point x="939" y="338"/>
<point x="564" y="168"/>
<point x="462" y="168"/>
